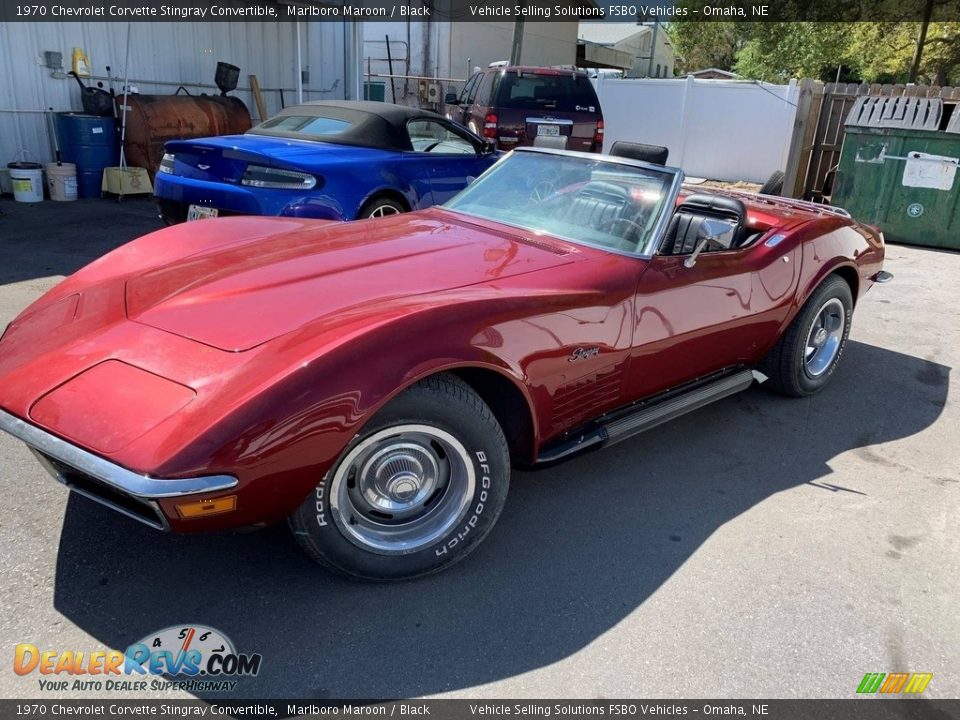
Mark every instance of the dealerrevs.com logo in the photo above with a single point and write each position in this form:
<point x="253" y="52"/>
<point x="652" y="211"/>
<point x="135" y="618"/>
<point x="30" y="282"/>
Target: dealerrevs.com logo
<point x="894" y="683"/>
<point x="187" y="657"/>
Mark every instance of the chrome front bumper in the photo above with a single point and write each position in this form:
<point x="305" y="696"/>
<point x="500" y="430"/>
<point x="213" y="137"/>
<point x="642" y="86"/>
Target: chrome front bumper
<point x="107" y="483"/>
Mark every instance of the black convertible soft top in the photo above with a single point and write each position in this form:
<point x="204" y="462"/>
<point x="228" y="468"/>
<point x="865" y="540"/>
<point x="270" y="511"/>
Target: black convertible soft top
<point x="372" y="124"/>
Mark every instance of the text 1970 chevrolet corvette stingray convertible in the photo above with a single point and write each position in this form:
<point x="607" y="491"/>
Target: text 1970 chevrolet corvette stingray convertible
<point x="374" y="382"/>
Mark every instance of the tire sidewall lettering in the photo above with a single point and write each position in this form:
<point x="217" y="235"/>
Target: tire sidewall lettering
<point x="475" y="516"/>
<point x="319" y="504"/>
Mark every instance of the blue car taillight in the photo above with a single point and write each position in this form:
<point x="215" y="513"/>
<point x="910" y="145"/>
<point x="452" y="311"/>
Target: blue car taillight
<point x="166" y="165"/>
<point x="267" y="177"/>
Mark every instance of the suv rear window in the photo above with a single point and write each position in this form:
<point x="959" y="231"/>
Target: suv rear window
<point x="567" y="93"/>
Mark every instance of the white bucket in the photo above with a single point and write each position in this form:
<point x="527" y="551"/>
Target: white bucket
<point x="61" y="181"/>
<point x="27" y="181"/>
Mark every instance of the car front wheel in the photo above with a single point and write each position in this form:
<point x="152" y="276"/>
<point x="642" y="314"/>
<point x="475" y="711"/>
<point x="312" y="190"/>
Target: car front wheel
<point x="804" y="359"/>
<point x="416" y="490"/>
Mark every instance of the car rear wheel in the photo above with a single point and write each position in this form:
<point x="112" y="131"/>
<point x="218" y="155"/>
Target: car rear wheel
<point x="804" y="359"/>
<point x="414" y="492"/>
<point x="381" y="207"/>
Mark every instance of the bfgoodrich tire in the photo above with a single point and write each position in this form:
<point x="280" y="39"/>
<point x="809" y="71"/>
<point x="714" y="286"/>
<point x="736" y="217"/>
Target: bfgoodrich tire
<point x="805" y="358"/>
<point x="415" y="491"/>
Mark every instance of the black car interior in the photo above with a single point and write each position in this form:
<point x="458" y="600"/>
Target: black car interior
<point x="684" y="229"/>
<point x="609" y="208"/>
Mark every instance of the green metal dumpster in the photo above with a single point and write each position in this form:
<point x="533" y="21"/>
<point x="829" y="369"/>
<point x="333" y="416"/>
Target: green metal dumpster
<point x="898" y="169"/>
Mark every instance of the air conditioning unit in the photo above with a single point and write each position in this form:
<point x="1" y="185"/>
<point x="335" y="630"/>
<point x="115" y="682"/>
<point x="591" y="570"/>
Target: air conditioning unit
<point x="430" y="91"/>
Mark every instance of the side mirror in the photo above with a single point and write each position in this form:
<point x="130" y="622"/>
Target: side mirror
<point x="451" y="99"/>
<point x="716" y="230"/>
<point x="489" y="146"/>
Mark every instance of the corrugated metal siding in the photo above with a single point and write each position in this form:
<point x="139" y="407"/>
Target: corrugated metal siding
<point x="180" y="53"/>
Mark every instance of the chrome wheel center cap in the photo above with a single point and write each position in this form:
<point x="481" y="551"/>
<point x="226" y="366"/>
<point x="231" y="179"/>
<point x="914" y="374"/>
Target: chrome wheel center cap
<point x="399" y="479"/>
<point x="820" y="338"/>
<point x="403" y="487"/>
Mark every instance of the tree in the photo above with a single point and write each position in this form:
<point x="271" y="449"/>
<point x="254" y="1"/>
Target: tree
<point x="776" y="52"/>
<point x="886" y="51"/>
<point x="702" y="45"/>
<point x="861" y="51"/>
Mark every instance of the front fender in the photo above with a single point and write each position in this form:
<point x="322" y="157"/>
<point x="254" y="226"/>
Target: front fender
<point x="282" y="441"/>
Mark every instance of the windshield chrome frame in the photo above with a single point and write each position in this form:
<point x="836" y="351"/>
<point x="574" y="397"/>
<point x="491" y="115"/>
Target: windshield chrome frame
<point x="649" y="248"/>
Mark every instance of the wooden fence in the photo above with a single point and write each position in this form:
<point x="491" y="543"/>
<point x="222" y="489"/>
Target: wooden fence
<point x="819" y="128"/>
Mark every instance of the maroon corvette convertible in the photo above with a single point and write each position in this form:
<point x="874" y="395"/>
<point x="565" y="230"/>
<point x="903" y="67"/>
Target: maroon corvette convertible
<point x="373" y="382"/>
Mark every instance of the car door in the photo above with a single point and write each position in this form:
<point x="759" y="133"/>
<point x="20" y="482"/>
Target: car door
<point x="479" y="104"/>
<point x="453" y="156"/>
<point x="726" y="310"/>
<point x="469" y="92"/>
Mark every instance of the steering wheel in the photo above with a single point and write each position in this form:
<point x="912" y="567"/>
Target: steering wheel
<point x="431" y="146"/>
<point x="609" y="225"/>
<point x="542" y="190"/>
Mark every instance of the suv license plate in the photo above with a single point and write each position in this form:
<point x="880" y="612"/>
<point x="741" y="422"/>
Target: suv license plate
<point x="548" y="130"/>
<point x="199" y="212"/>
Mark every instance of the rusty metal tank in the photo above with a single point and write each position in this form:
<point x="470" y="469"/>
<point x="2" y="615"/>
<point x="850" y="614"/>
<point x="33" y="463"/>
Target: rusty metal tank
<point x="154" y="119"/>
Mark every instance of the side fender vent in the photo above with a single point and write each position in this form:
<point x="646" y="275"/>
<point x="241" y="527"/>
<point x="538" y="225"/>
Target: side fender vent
<point x="586" y="395"/>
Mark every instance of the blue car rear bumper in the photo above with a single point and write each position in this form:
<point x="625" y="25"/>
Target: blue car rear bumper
<point x="175" y="193"/>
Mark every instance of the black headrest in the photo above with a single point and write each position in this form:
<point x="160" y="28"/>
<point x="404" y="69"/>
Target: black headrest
<point x="557" y="142"/>
<point x="716" y="205"/>
<point x="655" y="154"/>
<point x="601" y="189"/>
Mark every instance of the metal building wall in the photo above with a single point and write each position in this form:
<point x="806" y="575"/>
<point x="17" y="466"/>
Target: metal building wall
<point x="452" y="50"/>
<point x="162" y="57"/>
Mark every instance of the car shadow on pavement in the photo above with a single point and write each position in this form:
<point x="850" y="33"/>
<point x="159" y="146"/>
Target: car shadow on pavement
<point x="579" y="547"/>
<point x="58" y="238"/>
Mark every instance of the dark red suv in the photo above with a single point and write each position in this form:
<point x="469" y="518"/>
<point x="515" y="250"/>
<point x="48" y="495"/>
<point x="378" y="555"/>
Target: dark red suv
<point x="514" y="105"/>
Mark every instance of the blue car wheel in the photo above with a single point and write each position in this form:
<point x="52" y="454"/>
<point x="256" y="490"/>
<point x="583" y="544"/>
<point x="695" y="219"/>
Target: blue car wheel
<point x="381" y="207"/>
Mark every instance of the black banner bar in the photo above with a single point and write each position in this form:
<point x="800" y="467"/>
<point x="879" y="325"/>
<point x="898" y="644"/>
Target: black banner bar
<point x="623" y="11"/>
<point x="867" y="708"/>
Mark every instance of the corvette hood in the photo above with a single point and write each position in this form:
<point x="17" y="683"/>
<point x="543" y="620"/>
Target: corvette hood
<point x="238" y="296"/>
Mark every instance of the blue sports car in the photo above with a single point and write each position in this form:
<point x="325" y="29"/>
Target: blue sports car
<point x="331" y="160"/>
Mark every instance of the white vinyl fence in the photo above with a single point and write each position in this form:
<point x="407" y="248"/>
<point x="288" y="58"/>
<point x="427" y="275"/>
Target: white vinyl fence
<point x="716" y="129"/>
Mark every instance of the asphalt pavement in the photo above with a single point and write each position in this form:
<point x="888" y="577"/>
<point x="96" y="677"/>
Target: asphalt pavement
<point x="761" y="547"/>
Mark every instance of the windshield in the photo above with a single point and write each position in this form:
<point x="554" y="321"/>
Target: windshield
<point x="566" y="93"/>
<point x="593" y="202"/>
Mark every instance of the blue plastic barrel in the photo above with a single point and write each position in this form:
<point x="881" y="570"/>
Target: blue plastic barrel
<point x="90" y="142"/>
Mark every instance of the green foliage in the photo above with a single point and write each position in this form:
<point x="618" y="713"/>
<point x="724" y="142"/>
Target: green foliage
<point x="776" y="52"/>
<point x="702" y="45"/>
<point x="886" y="51"/>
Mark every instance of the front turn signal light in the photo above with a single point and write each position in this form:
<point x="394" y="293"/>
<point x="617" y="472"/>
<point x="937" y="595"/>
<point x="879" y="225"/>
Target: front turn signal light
<point x="205" y="508"/>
